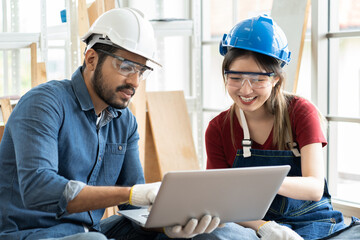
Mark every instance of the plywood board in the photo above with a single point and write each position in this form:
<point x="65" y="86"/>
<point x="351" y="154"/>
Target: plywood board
<point x="152" y="165"/>
<point x="138" y="108"/>
<point x="171" y="133"/>
<point x="292" y="16"/>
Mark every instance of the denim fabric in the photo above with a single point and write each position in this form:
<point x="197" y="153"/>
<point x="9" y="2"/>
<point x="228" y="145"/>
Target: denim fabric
<point x="349" y="233"/>
<point x="309" y="219"/>
<point x="229" y="232"/>
<point x="82" y="236"/>
<point x="120" y="228"/>
<point x="51" y="138"/>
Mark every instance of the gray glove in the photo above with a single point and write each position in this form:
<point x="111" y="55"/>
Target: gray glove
<point x="144" y="194"/>
<point x="273" y="231"/>
<point x="207" y="224"/>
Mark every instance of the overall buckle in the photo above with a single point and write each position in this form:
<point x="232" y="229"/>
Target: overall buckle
<point x="246" y="142"/>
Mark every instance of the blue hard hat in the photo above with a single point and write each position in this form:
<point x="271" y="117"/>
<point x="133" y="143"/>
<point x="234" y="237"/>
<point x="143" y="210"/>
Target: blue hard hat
<point x="259" y="34"/>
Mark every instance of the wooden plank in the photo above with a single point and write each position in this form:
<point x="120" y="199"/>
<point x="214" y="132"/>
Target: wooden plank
<point x="109" y="4"/>
<point x="92" y="13"/>
<point x="33" y="55"/>
<point x="6" y="109"/>
<point x="110" y="211"/>
<point x="40" y="74"/>
<point x="83" y="25"/>
<point x="171" y="131"/>
<point x="95" y="10"/>
<point x="152" y="166"/>
<point x="2" y="128"/>
<point x="291" y="21"/>
<point x="138" y="108"/>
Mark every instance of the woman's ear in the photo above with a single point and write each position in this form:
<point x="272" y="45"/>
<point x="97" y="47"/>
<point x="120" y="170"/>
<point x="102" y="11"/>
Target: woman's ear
<point x="91" y="59"/>
<point x="276" y="80"/>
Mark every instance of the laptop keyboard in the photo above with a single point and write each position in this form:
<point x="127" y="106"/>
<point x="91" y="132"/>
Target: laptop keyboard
<point x="145" y="215"/>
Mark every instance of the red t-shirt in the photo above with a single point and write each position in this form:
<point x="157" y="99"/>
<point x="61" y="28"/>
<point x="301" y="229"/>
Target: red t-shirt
<point x="305" y="124"/>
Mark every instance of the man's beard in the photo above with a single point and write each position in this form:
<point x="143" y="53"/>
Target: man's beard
<point x="108" y="95"/>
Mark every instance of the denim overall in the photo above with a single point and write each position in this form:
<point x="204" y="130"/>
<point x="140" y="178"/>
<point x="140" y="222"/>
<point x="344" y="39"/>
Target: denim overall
<point x="310" y="219"/>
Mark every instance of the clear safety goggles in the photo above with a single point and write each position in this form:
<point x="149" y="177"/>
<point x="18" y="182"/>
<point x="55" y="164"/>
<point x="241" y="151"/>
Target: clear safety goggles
<point x="256" y="80"/>
<point x="127" y="67"/>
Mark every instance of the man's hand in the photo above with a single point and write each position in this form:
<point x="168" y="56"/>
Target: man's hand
<point x="193" y="227"/>
<point x="144" y="194"/>
<point x="273" y="231"/>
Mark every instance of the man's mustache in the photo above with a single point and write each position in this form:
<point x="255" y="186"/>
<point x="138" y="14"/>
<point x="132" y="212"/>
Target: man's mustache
<point x="128" y="87"/>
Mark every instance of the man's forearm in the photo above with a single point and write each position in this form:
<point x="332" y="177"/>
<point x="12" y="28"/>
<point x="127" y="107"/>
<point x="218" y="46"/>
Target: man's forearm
<point x="97" y="197"/>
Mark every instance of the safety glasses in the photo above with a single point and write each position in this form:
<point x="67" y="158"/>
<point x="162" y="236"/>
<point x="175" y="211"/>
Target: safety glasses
<point x="127" y="67"/>
<point x="256" y="80"/>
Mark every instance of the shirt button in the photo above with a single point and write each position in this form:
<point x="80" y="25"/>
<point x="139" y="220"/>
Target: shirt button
<point x="120" y="148"/>
<point x="99" y="158"/>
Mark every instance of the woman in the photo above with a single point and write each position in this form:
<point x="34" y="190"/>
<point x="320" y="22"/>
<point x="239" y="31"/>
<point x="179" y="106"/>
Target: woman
<point x="267" y="126"/>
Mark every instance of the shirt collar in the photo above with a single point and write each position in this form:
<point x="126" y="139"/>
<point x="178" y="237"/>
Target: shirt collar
<point x="83" y="95"/>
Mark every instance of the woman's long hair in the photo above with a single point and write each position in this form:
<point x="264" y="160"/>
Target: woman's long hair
<point x="278" y="102"/>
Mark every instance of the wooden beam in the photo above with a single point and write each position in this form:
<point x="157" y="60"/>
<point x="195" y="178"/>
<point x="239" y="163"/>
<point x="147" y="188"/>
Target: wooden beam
<point x="40" y="74"/>
<point x="6" y="109"/>
<point x="33" y="55"/>
<point x="83" y="25"/>
<point x="2" y="128"/>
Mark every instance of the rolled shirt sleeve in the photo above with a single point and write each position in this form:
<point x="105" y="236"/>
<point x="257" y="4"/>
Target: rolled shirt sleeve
<point x="72" y="189"/>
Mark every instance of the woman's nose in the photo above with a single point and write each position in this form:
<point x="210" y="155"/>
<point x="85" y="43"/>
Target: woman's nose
<point x="246" y="86"/>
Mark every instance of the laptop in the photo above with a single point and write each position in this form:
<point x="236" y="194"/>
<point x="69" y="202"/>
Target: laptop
<point x="232" y="194"/>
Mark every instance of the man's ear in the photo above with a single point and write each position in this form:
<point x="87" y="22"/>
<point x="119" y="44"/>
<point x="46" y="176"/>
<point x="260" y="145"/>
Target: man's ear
<point x="91" y="59"/>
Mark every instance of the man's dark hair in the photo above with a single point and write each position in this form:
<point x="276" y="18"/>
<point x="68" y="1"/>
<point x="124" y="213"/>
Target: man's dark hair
<point x="101" y="55"/>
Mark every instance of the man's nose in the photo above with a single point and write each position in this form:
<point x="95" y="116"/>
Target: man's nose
<point x="133" y="79"/>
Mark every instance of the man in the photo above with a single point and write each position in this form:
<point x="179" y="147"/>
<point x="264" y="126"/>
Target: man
<point x="70" y="148"/>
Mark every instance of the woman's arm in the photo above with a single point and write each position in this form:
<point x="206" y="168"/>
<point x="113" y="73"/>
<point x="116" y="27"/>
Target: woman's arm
<point x="255" y="225"/>
<point x="311" y="185"/>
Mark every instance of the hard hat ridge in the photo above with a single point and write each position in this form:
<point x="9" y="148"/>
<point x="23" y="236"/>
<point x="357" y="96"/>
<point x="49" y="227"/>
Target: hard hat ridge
<point x="125" y="28"/>
<point x="259" y="34"/>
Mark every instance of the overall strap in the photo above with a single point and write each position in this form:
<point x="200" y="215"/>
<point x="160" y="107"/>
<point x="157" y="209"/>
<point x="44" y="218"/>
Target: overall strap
<point x="246" y="142"/>
<point x="292" y="145"/>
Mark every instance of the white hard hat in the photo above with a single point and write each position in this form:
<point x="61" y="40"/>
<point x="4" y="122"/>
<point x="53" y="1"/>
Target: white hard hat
<point x="126" y="28"/>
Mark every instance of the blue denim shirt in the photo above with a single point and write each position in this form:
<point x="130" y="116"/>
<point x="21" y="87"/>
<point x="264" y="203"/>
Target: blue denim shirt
<point x="51" y="138"/>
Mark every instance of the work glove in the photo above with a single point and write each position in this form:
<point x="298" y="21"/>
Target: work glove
<point x="207" y="224"/>
<point x="273" y="231"/>
<point x="144" y="194"/>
